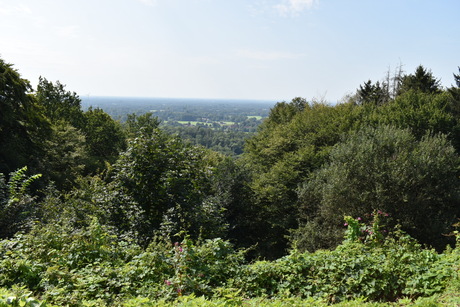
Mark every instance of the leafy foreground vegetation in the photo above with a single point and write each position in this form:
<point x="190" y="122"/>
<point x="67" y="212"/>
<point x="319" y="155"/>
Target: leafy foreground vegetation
<point x="93" y="267"/>
<point x="351" y="204"/>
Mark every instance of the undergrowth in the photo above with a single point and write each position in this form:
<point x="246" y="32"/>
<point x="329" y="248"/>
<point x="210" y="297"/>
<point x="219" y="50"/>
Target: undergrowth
<point x="57" y="265"/>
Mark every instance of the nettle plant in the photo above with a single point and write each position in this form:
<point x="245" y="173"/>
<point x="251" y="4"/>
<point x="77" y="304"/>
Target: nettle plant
<point x="359" y="231"/>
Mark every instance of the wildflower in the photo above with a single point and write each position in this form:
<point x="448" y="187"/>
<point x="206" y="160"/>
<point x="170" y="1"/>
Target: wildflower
<point x="167" y="282"/>
<point x="346" y="224"/>
<point x="359" y="219"/>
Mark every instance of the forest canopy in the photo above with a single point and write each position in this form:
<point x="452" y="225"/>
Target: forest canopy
<point x="390" y="150"/>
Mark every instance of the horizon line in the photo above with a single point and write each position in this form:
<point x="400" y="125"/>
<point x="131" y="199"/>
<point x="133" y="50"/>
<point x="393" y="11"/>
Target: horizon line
<point x="177" y="98"/>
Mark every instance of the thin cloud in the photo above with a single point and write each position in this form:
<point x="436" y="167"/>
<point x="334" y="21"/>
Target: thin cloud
<point x="294" y="7"/>
<point x="9" y="10"/>
<point x="268" y="55"/>
<point x="148" y="2"/>
<point x="70" y="31"/>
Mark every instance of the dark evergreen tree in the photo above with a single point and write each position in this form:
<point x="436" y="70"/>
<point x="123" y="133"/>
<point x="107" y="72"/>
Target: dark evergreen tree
<point x="422" y="80"/>
<point x="457" y="78"/>
<point x="455" y="93"/>
<point x="374" y="94"/>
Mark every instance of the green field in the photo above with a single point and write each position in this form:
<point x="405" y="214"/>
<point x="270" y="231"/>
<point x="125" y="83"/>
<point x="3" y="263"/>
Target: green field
<point x="194" y="123"/>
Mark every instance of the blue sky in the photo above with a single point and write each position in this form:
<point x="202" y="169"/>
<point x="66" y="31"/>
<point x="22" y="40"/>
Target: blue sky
<point x="246" y="49"/>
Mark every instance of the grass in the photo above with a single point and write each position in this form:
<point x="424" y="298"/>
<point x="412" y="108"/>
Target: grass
<point x="194" y="123"/>
<point x="448" y="299"/>
<point x="451" y="297"/>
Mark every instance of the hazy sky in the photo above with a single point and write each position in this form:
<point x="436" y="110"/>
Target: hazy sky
<point x="248" y="49"/>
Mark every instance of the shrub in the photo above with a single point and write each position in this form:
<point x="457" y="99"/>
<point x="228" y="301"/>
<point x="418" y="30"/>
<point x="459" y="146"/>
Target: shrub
<point x="365" y="265"/>
<point x="386" y="169"/>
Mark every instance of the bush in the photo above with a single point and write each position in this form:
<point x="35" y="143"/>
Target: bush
<point x="386" y="169"/>
<point x="68" y="266"/>
<point x="385" y="270"/>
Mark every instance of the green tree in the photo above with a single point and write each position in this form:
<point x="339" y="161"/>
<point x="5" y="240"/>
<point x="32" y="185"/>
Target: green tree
<point x="104" y="139"/>
<point x="22" y="125"/>
<point x="59" y="104"/>
<point x="288" y="146"/>
<point x="65" y="155"/>
<point x="375" y="94"/>
<point x="386" y="169"/>
<point x="283" y="112"/>
<point x="455" y="93"/>
<point x="422" y="80"/>
<point x="231" y="191"/>
<point x="230" y="143"/>
<point x="420" y="112"/>
<point x="145" y="124"/>
<point x="170" y="180"/>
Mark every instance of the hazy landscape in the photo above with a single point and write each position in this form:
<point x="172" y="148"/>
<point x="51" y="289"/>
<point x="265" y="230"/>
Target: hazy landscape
<point x="229" y="153"/>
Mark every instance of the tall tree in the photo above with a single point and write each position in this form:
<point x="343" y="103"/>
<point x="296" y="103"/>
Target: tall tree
<point x="289" y="145"/>
<point x="141" y="124"/>
<point x="457" y="78"/>
<point x="65" y="155"/>
<point x="420" y="112"/>
<point x="374" y="94"/>
<point x="230" y="190"/>
<point x="58" y="103"/>
<point x="455" y="93"/>
<point x="422" y="80"/>
<point x="104" y="139"/>
<point x="170" y="180"/>
<point x="22" y="125"/>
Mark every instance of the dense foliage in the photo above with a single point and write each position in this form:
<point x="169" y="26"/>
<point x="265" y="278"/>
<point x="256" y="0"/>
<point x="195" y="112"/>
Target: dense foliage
<point x="388" y="169"/>
<point x="95" y="267"/>
<point x="98" y="212"/>
<point x="294" y="149"/>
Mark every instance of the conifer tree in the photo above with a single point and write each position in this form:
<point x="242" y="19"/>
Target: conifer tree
<point x="422" y="80"/>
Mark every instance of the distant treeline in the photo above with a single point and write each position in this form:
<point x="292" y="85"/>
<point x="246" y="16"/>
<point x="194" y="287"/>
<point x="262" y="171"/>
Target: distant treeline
<point x="176" y="109"/>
